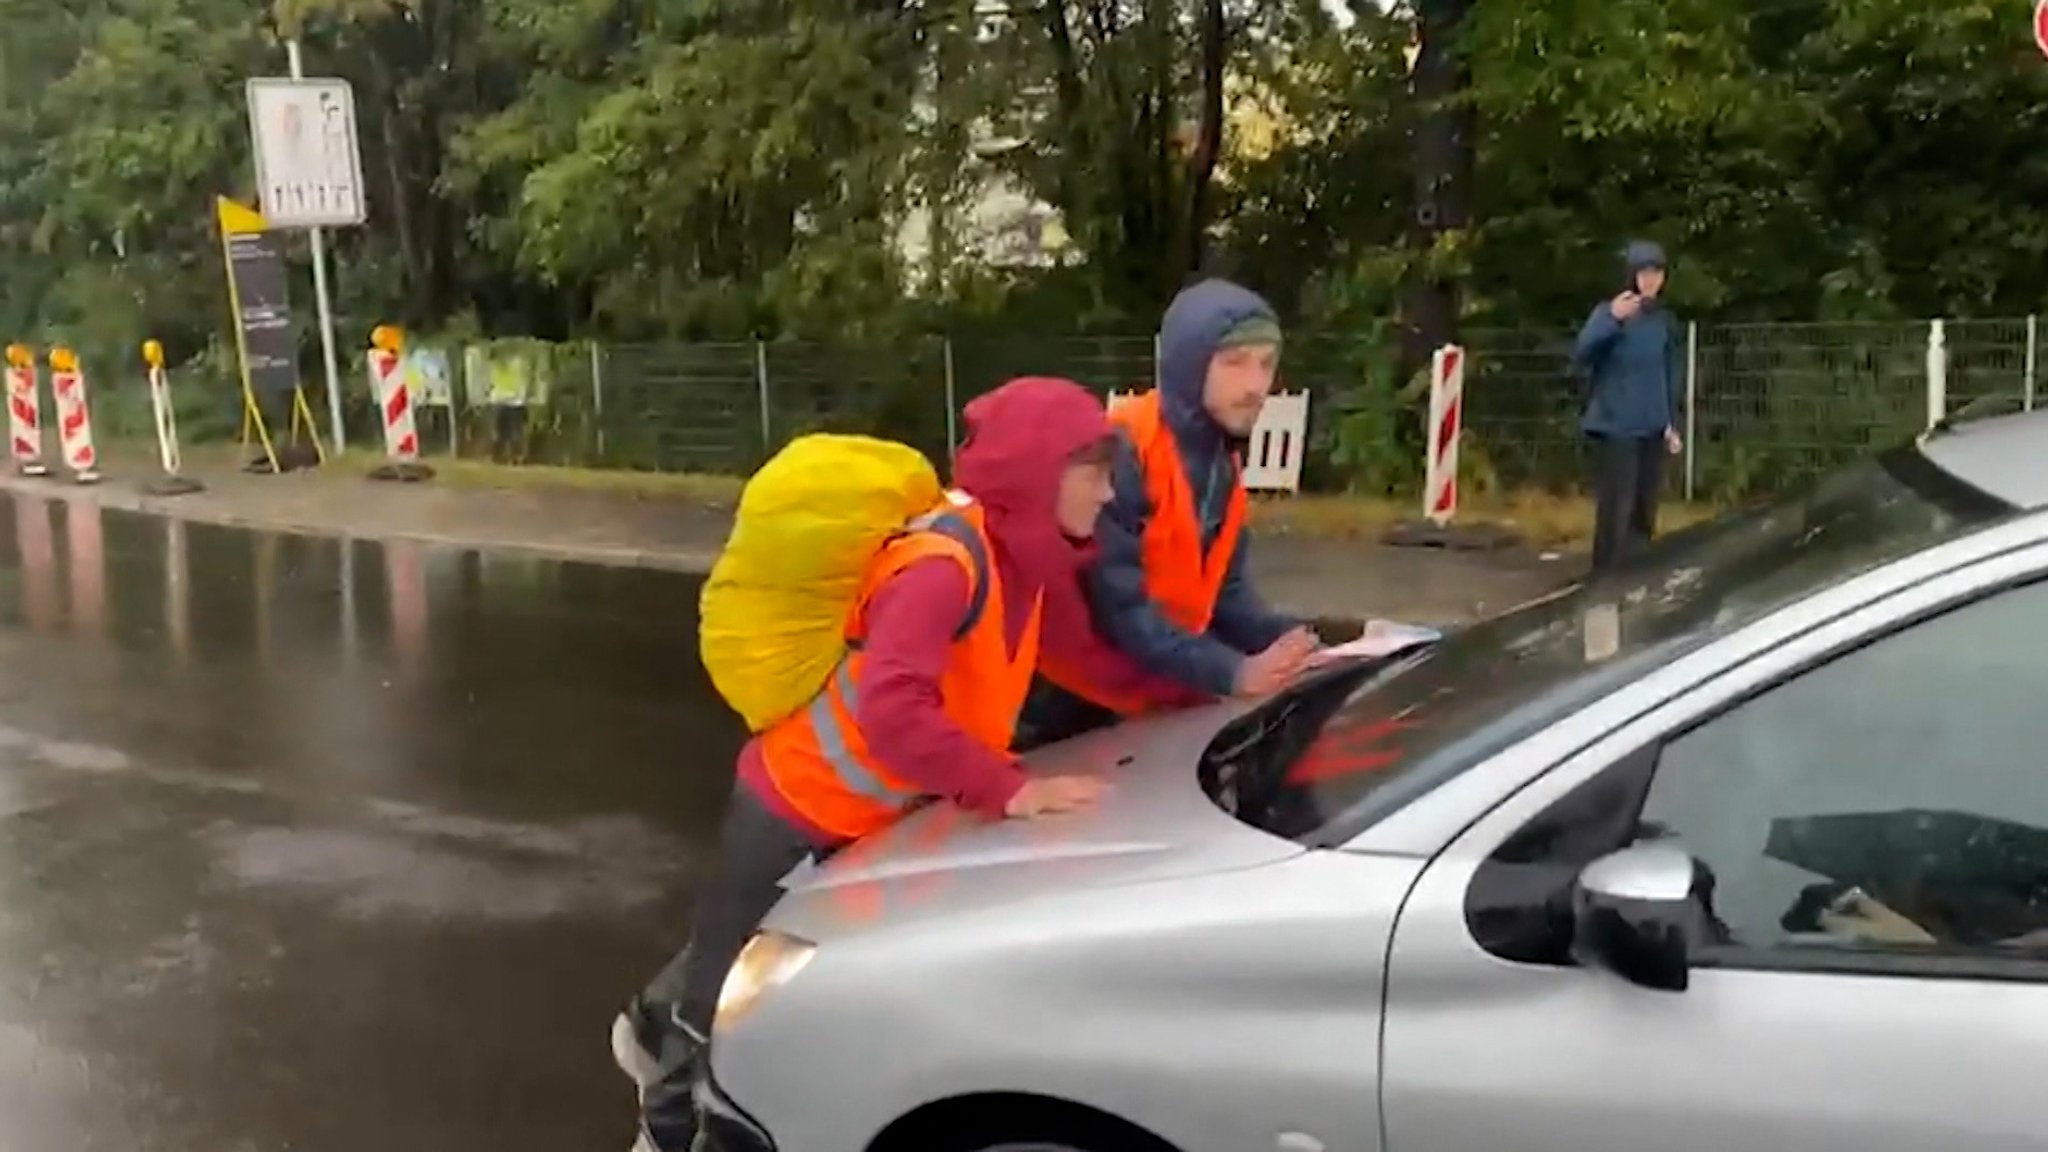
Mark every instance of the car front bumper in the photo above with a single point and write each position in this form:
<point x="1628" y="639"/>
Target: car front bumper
<point x="724" y="1125"/>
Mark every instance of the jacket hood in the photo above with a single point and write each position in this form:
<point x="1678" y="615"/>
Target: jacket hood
<point x="1020" y="438"/>
<point x="1641" y="255"/>
<point x="1195" y="322"/>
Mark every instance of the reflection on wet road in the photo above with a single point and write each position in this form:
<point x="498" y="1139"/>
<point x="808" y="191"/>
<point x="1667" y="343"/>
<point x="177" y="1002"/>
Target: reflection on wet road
<point x="319" y="845"/>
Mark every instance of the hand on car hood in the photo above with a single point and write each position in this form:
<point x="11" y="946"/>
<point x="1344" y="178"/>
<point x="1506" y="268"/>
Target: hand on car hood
<point x="1152" y="822"/>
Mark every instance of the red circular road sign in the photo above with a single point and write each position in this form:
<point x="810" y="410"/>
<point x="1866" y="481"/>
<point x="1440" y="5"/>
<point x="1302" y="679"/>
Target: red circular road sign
<point x="2041" y="25"/>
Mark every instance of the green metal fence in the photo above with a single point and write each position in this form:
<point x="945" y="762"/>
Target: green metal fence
<point x="1769" y="403"/>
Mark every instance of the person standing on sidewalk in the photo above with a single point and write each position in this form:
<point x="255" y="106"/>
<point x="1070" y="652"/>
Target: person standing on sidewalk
<point x="1628" y="350"/>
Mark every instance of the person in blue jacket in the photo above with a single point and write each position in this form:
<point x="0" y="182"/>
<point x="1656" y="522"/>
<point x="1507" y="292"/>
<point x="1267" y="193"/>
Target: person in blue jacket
<point x="1169" y="585"/>
<point x="1628" y="350"/>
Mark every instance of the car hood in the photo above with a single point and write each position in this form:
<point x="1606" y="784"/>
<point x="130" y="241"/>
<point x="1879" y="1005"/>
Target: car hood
<point x="1153" y="823"/>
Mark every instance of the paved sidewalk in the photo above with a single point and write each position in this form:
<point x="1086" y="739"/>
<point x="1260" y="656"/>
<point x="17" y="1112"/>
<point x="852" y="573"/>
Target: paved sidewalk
<point x="1346" y="579"/>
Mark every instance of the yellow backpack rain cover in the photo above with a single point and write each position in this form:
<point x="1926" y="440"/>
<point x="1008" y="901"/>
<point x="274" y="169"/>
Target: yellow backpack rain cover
<point x="772" y="619"/>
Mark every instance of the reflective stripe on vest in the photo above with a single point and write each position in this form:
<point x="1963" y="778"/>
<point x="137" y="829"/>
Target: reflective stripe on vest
<point x="1181" y="577"/>
<point x="832" y="741"/>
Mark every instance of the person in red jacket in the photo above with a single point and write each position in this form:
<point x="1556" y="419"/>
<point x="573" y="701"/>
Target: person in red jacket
<point x="951" y="620"/>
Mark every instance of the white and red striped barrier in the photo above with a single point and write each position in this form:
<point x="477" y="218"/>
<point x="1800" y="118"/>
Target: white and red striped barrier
<point x="74" y="418"/>
<point x="394" y="408"/>
<point x="25" y="412"/>
<point x="1446" y="419"/>
<point x="394" y="403"/>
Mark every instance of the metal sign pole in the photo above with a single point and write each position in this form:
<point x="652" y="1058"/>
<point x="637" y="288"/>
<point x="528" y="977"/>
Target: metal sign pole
<point x="320" y="300"/>
<point x="1692" y="406"/>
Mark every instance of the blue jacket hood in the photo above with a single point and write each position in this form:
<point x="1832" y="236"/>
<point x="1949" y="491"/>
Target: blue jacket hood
<point x="1640" y="254"/>
<point x="1194" y="322"/>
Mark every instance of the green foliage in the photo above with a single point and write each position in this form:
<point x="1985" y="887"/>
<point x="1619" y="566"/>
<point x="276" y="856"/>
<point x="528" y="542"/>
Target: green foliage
<point x="1374" y="446"/>
<point x="656" y="169"/>
<point x="1803" y="158"/>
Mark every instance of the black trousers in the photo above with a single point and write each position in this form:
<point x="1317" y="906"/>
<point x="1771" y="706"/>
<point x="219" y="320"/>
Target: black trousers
<point x="756" y="849"/>
<point x="1052" y="714"/>
<point x="1628" y="477"/>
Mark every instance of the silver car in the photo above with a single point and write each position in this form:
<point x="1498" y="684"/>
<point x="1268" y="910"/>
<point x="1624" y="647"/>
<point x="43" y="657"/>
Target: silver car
<point x="1744" y="847"/>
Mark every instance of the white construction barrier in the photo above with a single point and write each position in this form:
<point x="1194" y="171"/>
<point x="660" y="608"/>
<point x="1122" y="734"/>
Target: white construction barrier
<point x="1278" y="444"/>
<point x="25" y="411"/>
<point x="74" y="416"/>
<point x="394" y="408"/>
<point x="174" y="482"/>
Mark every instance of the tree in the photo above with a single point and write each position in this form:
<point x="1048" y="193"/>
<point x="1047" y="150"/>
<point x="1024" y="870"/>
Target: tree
<point x="650" y="168"/>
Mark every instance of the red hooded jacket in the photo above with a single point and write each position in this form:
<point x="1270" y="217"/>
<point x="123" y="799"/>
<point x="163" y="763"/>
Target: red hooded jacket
<point x="1020" y="439"/>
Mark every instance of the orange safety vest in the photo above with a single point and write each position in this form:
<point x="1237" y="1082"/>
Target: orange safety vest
<point x="818" y="759"/>
<point x="1180" y="577"/>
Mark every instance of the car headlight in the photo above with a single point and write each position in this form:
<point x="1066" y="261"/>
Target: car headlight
<point x="768" y="961"/>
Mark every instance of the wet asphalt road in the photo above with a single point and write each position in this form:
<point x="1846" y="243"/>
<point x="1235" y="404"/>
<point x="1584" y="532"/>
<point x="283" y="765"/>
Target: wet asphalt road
<point x="315" y="845"/>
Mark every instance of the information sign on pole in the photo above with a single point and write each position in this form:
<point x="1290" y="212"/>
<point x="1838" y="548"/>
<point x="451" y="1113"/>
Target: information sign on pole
<point x="309" y="164"/>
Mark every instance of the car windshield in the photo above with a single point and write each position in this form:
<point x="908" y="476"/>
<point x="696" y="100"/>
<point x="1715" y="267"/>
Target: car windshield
<point x="1351" y="744"/>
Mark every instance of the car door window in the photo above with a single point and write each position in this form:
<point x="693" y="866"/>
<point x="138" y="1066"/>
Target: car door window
<point x="1890" y="804"/>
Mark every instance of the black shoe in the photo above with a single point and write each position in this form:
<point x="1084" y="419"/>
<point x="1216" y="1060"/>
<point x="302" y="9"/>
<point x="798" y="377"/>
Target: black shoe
<point x="668" y="1113"/>
<point x="681" y="1137"/>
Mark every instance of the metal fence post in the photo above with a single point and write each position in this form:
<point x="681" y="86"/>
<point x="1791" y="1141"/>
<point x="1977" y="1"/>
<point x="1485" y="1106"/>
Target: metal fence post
<point x="1156" y="369"/>
<point x="1692" y="407"/>
<point x="458" y="384"/>
<point x="2033" y="360"/>
<point x="761" y="377"/>
<point x="597" y="394"/>
<point x="1937" y="372"/>
<point x="952" y="405"/>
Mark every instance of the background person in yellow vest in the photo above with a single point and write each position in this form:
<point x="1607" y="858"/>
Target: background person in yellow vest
<point x="1170" y="586"/>
<point x="947" y="632"/>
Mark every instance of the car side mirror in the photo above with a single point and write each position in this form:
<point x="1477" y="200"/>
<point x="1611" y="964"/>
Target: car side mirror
<point x="1634" y="911"/>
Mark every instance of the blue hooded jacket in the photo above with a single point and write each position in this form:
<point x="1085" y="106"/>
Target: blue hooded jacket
<point x="1633" y="367"/>
<point x="1198" y="318"/>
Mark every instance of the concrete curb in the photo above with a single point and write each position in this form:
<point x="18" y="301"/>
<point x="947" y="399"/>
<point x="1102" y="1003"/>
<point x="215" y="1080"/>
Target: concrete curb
<point x="695" y="562"/>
